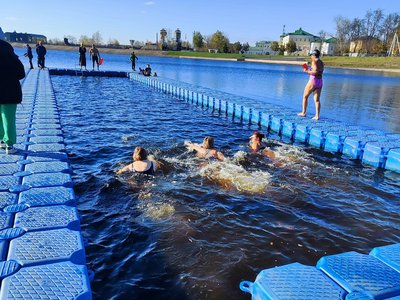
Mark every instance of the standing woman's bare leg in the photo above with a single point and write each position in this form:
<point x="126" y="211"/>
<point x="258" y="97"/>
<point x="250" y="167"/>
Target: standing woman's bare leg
<point x="307" y="92"/>
<point x="317" y="96"/>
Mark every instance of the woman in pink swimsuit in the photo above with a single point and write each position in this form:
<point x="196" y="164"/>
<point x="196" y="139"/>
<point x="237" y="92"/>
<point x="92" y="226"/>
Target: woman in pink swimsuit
<point x="314" y="84"/>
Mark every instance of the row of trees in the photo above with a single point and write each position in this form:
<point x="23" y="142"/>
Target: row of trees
<point x="217" y="41"/>
<point x="96" y="39"/>
<point x="376" y="28"/>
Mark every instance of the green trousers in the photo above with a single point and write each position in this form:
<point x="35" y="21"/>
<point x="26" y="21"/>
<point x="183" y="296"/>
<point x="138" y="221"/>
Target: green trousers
<point x="8" y="131"/>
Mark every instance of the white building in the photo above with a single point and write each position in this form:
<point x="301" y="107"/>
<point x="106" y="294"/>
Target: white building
<point x="328" y="46"/>
<point x="262" y="48"/>
<point x="303" y="40"/>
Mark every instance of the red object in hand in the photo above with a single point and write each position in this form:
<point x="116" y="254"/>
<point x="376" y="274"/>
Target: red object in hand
<point x="101" y="61"/>
<point x="305" y="67"/>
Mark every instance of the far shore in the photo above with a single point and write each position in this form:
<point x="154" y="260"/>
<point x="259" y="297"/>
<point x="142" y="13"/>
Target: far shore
<point x="279" y="60"/>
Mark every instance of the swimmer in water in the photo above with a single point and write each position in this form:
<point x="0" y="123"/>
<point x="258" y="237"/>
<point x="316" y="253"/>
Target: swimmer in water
<point x="207" y="150"/>
<point x="314" y="84"/>
<point x="256" y="144"/>
<point x="142" y="164"/>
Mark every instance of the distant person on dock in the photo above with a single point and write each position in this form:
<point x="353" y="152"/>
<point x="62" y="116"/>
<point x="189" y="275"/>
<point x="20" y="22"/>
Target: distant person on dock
<point x="95" y="54"/>
<point x="256" y="144"/>
<point x="314" y="84"/>
<point x="29" y="55"/>
<point x="41" y="53"/>
<point x="133" y="58"/>
<point x="207" y="150"/>
<point x="12" y="71"/>
<point x="142" y="164"/>
<point x="82" y="56"/>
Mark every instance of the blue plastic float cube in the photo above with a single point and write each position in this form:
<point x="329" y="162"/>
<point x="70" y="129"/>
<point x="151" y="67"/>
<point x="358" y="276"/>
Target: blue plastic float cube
<point x="48" y="217"/>
<point x="354" y="146"/>
<point x="357" y="272"/>
<point x="302" y="133"/>
<point x="375" y="152"/>
<point x="389" y="254"/>
<point x="292" y="282"/>
<point x="265" y="120"/>
<point x="63" y="280"/>
<point x="393" y="160"/>
<point x="288" y="128"/>
<point x="49" y="246"/>
<point x="334" y="141"/>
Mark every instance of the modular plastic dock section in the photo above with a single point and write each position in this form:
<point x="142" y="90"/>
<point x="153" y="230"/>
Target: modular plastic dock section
<point x="42" y="253"/>
<point x="349" y="276"/>
<point x="372" y="147"/>
<point x="86" y="73"/>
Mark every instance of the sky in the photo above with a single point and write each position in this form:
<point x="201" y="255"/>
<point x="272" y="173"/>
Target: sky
<point x="140" y="20"/>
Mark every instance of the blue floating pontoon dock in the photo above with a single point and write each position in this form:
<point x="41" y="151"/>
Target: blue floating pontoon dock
<point x="41" y="247"/>
<point x="349" y="276"/>
<point x="372" y="147"/>
<point x="86" y="73"/>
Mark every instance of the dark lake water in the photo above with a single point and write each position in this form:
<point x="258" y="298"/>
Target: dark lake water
<point x="198" y="228"/>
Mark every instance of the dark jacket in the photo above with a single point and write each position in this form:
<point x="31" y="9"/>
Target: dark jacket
<point x="11" y="72"/>
<point x="29" y="52"/>
<point x="41" y="51"/>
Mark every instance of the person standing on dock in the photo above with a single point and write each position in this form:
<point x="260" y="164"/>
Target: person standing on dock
<point x="11" y="72"/>
<point x="314" y="84"/>
<point x="82" y="56"/>
<point x="41" y="53"/>
<point x="29" y="55"/>
<point x="95" y="54"/>
<point x="134" y="58"/>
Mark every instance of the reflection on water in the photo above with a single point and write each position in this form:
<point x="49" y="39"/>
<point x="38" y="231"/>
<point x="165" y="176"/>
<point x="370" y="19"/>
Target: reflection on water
<point x="198" y="228"/>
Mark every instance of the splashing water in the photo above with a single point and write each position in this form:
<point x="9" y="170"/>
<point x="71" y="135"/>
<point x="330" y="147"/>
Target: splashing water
<point x="230" y="175"/>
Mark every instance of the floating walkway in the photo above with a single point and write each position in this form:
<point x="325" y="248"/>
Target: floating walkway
<point x="372" y="147"/>
<point x="350" y="276"/>
<point x="84" y="73"/>
<point x="41" y="246"/>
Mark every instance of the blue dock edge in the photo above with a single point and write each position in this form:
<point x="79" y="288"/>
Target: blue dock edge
<point x="42" y="252"/>
<point x="349" y="276"/>
<point x="372" y="147"/>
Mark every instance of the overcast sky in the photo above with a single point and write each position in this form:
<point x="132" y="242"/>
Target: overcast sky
<point x="243" y="21"/>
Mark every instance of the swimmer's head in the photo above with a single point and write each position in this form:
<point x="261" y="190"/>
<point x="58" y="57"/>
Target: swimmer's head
<point x="315" y="53"/>
<point x="257" y="135"/>
<point x="139" y="154"/>
<point x="208" y="142"/>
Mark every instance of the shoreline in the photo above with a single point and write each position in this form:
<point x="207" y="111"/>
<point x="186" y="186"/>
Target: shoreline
<point x="288" y="61"/>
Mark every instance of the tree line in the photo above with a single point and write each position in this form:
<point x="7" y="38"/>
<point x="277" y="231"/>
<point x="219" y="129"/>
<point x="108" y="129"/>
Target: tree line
<point x="218" y="41"/>
<point x="375" y="28"/>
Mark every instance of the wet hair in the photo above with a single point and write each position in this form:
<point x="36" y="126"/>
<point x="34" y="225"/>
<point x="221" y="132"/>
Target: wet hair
<point x="259" y="135"/>
<point x="208" y="142"/>
<point x="139" y="154"/>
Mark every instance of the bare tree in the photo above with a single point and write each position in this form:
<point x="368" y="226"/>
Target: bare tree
<point x="342" y="33"/>
<point x="97" y="38"/>
<point x="355" y="33"/>
<point x="390" y="23"/>
<point x="372" y="26"/>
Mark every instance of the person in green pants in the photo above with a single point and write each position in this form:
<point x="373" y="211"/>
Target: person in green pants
<point x="11" y="72"/>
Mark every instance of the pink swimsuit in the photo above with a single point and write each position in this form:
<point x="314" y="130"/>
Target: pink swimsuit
<point x="317" y="82"/>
